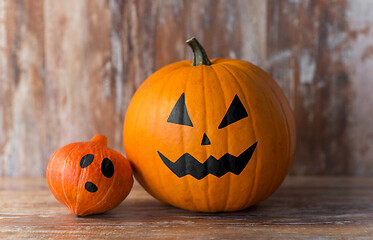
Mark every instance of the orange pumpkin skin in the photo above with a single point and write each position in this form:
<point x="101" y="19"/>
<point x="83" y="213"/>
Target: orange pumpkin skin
<point x="208" y="92"/>
<point x="75" y="175"/>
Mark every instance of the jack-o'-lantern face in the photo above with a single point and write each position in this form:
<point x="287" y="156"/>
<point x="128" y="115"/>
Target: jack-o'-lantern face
<point x="89" y="177"/>
<point x="187" y="164"/>
<point x="209" y="136"/>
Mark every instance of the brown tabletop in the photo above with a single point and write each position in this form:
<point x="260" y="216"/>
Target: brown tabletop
<point x="303" y="207"/>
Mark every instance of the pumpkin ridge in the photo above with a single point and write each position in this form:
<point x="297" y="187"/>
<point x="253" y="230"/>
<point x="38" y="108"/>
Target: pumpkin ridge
<point x="227" y="193"/>
<point x="275" y="93"/>
<point x="270" y="107"/>
<point x="68" y="203"/>
<point x="270" y="86"/>
<point x="103" y="199"/>
<point x="136" y="117"/>
<point x="48" y="175"/>
<point x="253" y="128"/>
<point x="140" y="105"/>
<point x="78" y="192"/>
<point x="291" y="116"/>
<point x="108" y="190"/>
<point x="207" y="187"/>
<point x="97" y="204"/>
<point x="192" y="197"/>
<point x="166" y="81"/>
<point x="82" y="176"/>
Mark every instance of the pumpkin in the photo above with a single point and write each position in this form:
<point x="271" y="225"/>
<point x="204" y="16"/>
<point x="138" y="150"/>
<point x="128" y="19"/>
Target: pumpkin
<point x="209" y="136"/>
<point x="88" y="177"/>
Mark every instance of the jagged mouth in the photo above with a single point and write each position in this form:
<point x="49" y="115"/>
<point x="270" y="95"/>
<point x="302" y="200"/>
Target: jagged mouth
<point x="187" y="164"/>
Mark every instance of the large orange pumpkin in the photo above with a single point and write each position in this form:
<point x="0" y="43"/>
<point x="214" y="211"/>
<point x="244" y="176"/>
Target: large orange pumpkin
<point x="210" y="136"/>
<point x="88" y="177"/>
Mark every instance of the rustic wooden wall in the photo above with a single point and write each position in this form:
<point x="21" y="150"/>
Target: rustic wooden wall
<point x="321" y="53"/>
<point x="69" y="68"/>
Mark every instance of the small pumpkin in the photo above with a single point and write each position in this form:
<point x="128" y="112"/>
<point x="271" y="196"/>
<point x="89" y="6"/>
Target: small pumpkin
<point x="209" y="136"/>
<point x="88" y="177"/>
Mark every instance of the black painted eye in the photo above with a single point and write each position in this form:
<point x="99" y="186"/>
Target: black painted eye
<point x="90" y="187"/>
<point x="107" y="168"/>
<point x="236" y="112"/>
<point x="86" y="160"/>
<point x="179" y="114"/>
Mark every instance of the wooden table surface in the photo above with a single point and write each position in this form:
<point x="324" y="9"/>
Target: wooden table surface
<point x="303" y="207"/>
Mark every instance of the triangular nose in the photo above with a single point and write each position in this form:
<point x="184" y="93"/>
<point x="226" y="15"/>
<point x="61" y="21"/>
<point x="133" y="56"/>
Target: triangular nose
<point x="205" y="140"/>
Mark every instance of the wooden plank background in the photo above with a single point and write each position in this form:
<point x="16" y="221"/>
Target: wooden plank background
<point x="68" y="70"/>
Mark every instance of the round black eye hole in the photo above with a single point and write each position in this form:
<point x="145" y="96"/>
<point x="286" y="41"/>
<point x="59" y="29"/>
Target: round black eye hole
<point x="107" y="168"/>
<point x="90" y="187"/>
<point x="86" y="160"/>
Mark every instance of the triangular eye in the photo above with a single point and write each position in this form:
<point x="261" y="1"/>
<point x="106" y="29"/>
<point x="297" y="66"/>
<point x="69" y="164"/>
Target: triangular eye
<point x="179" y="114"/>
<point x="235" y="112"/>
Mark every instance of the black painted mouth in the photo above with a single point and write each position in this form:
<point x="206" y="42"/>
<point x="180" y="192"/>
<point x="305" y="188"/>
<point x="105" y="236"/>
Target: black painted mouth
<point x="187" y="164"/>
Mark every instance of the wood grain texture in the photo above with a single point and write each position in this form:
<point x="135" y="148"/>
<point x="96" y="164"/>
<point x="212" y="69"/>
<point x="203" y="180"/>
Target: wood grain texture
<point x="316" y="51"/>
<point x="302" y="208"/>
<point x="73" y="74"/>
<point x="68" y="70"/>
<point x="23" y="88"/>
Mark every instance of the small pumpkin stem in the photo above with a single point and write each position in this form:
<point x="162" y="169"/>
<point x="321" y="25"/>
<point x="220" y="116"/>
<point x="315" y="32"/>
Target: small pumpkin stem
<point x="100" y="139"/>
<point x="200" y="56"/>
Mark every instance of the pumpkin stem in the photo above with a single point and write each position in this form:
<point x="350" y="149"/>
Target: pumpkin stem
<point x="200" y="56"/>
<point x="100" y="139"/>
